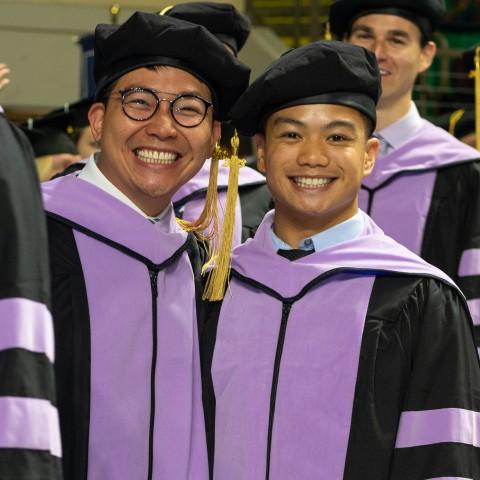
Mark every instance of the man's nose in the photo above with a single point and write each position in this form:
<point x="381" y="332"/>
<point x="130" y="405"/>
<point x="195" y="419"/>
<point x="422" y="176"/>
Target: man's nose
<point x="162" y="124"/>
<point x="313" y="154"/>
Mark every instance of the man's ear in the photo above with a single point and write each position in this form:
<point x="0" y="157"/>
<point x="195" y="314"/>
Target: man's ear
<point x="216" y="133"/>
<point x="96" y="114"/>
<point x="373" y="144"/>
<point x="427" y="56"/>
<point x="260" y="143"/>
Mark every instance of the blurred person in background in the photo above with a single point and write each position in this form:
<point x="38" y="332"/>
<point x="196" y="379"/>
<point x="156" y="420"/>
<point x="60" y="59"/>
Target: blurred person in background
<point x="29" y="429"/>
<point x="425" y="189"/>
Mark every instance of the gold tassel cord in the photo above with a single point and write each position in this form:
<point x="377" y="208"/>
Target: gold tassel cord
<point x="220" y="259"/>
<point x="477" y="96"/>
<point x="327" y="34"/>
<point x="165" y="10"/>
<point x="476" y="75"/>
<point x="455" y="117"/>
<point x="206" y="226"/>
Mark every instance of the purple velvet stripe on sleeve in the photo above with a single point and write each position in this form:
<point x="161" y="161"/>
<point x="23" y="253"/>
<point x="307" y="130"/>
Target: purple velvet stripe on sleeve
<point x="474" y="307"/>
<point x="470" y="263"/>
<point x="29" y="423"/>
<point x="438" y="426"/>
<point x="26" y="324"/>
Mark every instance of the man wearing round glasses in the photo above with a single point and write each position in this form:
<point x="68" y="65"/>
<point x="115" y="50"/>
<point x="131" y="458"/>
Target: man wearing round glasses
<point x="124" y="275"/>
<point x="187" y="110"/>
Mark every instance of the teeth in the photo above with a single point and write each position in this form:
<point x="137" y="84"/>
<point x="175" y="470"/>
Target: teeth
<point x="154" y="156"/>
<point x="312" y="182"/>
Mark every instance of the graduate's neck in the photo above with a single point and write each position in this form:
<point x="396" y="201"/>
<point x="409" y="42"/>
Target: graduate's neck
<point x="294" y="229"/>
<point x="390" y="111"/>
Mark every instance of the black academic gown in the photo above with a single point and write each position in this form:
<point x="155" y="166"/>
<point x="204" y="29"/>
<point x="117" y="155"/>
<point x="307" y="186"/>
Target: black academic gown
<point x="124" y="310"/>
<point x="29" y="432"/>
<point x="426" y="195"/>
<point x="356" y="362"/>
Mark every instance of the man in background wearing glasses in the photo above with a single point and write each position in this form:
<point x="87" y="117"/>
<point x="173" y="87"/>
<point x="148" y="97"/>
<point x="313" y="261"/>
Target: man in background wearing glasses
<point x="124" y="275"/>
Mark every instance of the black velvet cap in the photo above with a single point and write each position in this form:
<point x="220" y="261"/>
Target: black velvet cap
<point x="69" y="117"/>
<point x="48" y="140"/>
<point x="426" y="14"/>
<point x="221" y="19"/>
<point x="148" y="39"/>
<point x="463" y="126"/>
<point x="53" y="132"/>
<point x="321" y="72"/>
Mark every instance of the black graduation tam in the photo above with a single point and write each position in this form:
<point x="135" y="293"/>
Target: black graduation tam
<point x="54" y="132"/>
<point x="147" y="39"/>
<point x="221" y="19"/>
<point x="72" y="116"/>
<point x="49" y="140"/>
<point x="321" y="72"/>
<point x="458" y="123"/>
<point x="426" y="14"/>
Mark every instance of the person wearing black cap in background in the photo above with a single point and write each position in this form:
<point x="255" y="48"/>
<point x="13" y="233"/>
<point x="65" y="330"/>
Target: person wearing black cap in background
<point x="336" y="352"/>
<point x="61" y="139"/>
<point x="30" y="446"/>
<point x="425" y="189"/>
<point x="73" y="120"/>
<point x="232" y="28"/>
<point x="460" y="124"/>
<point x="124" y="274"/>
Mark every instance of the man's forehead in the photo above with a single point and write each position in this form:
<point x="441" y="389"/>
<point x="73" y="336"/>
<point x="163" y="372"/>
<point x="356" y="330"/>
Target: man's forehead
<point x="153" y="77"/>
<point x="328" y="114"/>
<point x="385" y="22"/>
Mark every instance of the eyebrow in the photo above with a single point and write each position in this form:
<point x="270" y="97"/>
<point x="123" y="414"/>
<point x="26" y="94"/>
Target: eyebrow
<point x="341" y="124"/>
<point x="184" y="92"/>
<point x="288" y="120"/>
<point x="367" y="29"/>
<point x="329" y="126"/>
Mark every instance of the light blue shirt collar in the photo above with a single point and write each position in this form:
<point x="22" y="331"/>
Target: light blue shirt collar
<point x="402" y="130"/>
<point x="347" y="230"/>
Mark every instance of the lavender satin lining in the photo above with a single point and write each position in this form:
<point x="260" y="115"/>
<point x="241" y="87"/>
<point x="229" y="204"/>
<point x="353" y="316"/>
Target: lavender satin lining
<point x="26" y="324"/>
<point x="470" y="263"/>
<point x="444" y="425"/>
<point x="29" y="423"/>
<point x="474" y="307"/>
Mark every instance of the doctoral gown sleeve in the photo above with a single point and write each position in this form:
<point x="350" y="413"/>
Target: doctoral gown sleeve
<point x="29" y="430"/>
<point x="439" y="421"/>
<point x="469" y="267"/>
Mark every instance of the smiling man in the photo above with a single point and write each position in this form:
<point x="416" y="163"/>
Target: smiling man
<point x="425" y="189"/>
<point x="124" y="275"/>
<point x="319" y="362"/>
<point x="232" y="28"/>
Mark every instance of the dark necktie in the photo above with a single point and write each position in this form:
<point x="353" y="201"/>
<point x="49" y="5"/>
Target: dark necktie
<point x="294" y="254"/>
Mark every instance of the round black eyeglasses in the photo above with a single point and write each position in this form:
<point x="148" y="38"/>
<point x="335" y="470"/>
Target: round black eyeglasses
<point x="141" y="104"/>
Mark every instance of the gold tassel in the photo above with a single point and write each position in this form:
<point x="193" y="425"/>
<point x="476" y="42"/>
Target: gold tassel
<point x="327" y="34"/>
<point x="218" y="276"/>
<point x="477" y="96"/>
<point x="454" y="119"/>
<point x="206" y="226"/>
<point x="476" y="74"/>
<point x="166" y="10"/>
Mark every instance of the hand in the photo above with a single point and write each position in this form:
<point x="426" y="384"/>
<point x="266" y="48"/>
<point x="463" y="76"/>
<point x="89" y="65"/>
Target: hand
<point x="4" y="71"/>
